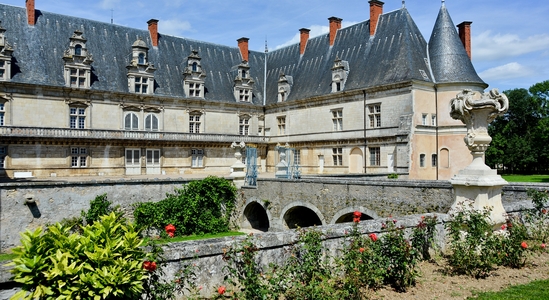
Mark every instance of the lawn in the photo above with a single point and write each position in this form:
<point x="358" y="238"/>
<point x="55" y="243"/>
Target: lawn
<point x="533" y="290"/>
<point x="526" y="178"/>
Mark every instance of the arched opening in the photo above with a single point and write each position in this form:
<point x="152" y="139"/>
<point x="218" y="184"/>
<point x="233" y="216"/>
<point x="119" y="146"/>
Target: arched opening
<point x="355" y="161"/>
<point x="78" y="50"/>
<point x="256" y="216"/>
<point x="346" y="218"/>
<point x="301" y="216"/>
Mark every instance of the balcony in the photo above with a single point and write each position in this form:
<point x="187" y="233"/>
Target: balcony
<point x="98" y="134"/>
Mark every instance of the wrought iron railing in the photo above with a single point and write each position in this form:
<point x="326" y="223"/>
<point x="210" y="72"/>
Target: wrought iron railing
<point x="45" y="132"/>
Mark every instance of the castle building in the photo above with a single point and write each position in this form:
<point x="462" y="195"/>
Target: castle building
<point x="86" y="98"/>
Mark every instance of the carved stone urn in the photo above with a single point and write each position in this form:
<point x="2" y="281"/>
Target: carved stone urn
<point x="478" y="186"/>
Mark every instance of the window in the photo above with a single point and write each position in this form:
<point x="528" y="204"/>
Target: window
<point x="77" y="78"/>
<point x="244" y="95"/>
<point x="151" y="122"/>
<point x="434" y="160"/>
<point x="2" y="114"/>
<point x="77" y="117"/>
<point x="374" y="115"/>
<point x="297" y="157"/>
<point x="78" y="157"/>
<point x="194" y="123"/>
<point x="153" y="157"/>
<point x="197" y="158"/>
<point x="375" y="156"/>
<point x="131" y="121"/>
<point x="78" y="50"/>
<point x="141" y="58"/>
<point x="194" y="66"/>
<point x="337" y="119"/>
<point x="2" y="70"/>
<point x="281" y="125"/>
<point x="3" y="152"/>
<point x="194" y="89"/>
<point x="244" y="126"/>
<point x="424" y="119"/>
<point x="133" y="157"/>
<point x="141" y="85"/>
<point x="337" y="155"/>
<point x="433" y="120"/>
<point x="338" y="86"/>
<point x="422" y="160"/>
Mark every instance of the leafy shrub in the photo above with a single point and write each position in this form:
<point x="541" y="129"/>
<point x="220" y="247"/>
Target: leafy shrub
<point x="202" y="206"/>
<point x="537" y="218"/>
<point x="104" y="262"/>
<point x="392" y="176"/>
<point x="473" y="244"/>
<point x="423" y="236"/>
<point x="513" y="247"/>
<point x="99" y="206"/>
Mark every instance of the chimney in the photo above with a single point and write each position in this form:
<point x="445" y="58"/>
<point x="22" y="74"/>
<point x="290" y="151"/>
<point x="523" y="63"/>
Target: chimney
<point x="304" y="37"/>
<point x="243" y="45"/>
<point x="465" y="36"/>
<point x="376" y="9"/>
<point x="153" y="30"/>
<point x="335" y="24"/>
<point x="31" y="15"/>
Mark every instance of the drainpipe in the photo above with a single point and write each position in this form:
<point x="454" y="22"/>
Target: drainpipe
<point x="436" y="130"/>
<point x="365" y="143"/>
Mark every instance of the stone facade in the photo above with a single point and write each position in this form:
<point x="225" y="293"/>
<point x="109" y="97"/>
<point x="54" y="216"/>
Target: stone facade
<point x="158" y="104"/>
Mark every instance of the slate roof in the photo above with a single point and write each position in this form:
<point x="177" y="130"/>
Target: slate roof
<point x="449" y="60"/>
<point x="397" y="53"/>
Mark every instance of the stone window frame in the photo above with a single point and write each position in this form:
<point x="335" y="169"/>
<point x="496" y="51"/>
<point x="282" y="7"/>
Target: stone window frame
<point x="424" y="119"/>
<point x="297" y="156"/>
<point x="77" y="116"/>
<point x="422" y="158"/>
<point x="133" y="118"/>
<point x="195" y="122"/>
<point x="3" y="154"/>
<point x="197" y="158"/>
<point x="337" y="119"/>
<point x="149" y="121"/>
<point x="77" y="62"/>
<point x="281" y="124"/>
<point x="78" y="157"/>
<point x="2" y="113"/>
<point x="5" y="70"/>
<point x="375" y="156"/>
<point x="374" y="115"/>
<point x="244" y="125"/>
<point x="433" y="119"/>
<point x="434" y="160"/>
<point x="337" y="156"/>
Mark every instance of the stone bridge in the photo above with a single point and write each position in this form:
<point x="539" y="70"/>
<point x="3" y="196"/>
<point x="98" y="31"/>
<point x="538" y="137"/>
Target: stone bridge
<point x="279" y="204"/>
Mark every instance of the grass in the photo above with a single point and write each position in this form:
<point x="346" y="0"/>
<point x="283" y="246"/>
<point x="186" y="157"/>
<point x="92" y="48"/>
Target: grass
<point x="198" y="237"/>
<point x="7" y="256"/>
<point x="533" y="290"/>
<point x="526" y="178"/>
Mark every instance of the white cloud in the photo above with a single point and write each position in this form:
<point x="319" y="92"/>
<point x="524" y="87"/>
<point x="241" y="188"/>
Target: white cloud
<point x="109" y="4"/>
<point x="507" y="71"/>
<point x="173" y="27"/>
<point x="491" y="47"/>
<point x="316" y="30"/>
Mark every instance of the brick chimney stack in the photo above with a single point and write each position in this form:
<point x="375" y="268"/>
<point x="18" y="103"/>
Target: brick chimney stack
<point x="465" y="36"/>
<point x="31" y="12"/>
<point x="304" y="37"/>
<point x="153" y="30"/>
<point x="376" y="9"/>
<point x="243" y="45"/>
<point x="335" y="24"/>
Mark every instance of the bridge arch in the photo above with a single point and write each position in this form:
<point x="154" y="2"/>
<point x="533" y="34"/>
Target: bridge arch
<point x="301" y="214"/>
<point x="346" y="214"/>
<point x="256" y="216"/>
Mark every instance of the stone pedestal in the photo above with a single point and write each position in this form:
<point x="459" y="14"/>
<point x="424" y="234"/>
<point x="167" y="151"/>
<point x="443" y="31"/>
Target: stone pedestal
<point x="282" y="166"/>
<point x="238" y="173"/>
<point x="478" y="186"/>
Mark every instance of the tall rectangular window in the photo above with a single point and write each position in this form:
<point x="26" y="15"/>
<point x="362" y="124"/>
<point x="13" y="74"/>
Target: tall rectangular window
<point x="244" y="127"/>
<point x="194" y="123"/>
<point x="297" y="157"/>
<point x="433" y="120"/>
<point x="197" y="158"/>
<point x="337" y="119"/>
<point x="77" y="117"/>
<point x="375" y="156"/>
<point x="133" y="157"/>
<point x="2" y="114"/>
<point x="281" y="125"/>
<point x="78" y="157"/>
<point x="2" y="70"/>
<point x="422" y="160"/>
<point x="424" y="119"/>
<point x="3" y="153"/>
<point x="337" y="155"/>
<point x="434" y="159"/>
<point x="153" y="157"/>
<point x="374" y="115"/>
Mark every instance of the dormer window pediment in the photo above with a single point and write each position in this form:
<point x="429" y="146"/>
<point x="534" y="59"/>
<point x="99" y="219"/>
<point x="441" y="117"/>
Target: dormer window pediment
<point x="77" y="68"/>
<point x="243" y="83"/>
<point x="6" y="52"/>
<point x="340" y="71"/>
<point x="140" y="70"/>
<point x="194" y="76"/>
<point x="285" y="83"/>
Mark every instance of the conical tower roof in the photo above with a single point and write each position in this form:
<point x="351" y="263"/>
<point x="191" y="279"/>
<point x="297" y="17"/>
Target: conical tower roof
<point x="449" y="60"/>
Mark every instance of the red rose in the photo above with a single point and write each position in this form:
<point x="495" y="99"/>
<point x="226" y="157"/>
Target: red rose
<point x="544" y="211"/>
<point x="356" y="216"/>
<point x="146" y="265"/>
<point x="221" y="290"/>
<point x="503" y="227"/>
<point x="373" y="237"/>
<point x="170" y="230"/>
<point x="361" y="250"/>
<point x="542" y="246"/>
<point x="524" y="245"/>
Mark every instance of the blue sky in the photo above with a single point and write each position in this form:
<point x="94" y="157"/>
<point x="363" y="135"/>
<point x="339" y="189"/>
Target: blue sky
<point x="510" y="38"/>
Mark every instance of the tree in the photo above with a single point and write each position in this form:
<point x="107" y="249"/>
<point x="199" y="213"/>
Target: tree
<point x="519" y="137"/>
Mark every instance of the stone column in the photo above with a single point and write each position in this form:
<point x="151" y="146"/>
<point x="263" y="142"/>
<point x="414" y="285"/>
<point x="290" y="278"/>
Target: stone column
<point x="238" y="174"/>
<point x="478" y="184"/>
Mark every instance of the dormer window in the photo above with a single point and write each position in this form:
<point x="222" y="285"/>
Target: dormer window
<point x="77" y="69"/>
<point x="140" y="71"/>
<point x="193" y="76"/>
<point x="340" y="71"/>
<point x="5" y="57"/>
<point x="284" y="87"/>
<point x="243" y="85"/>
